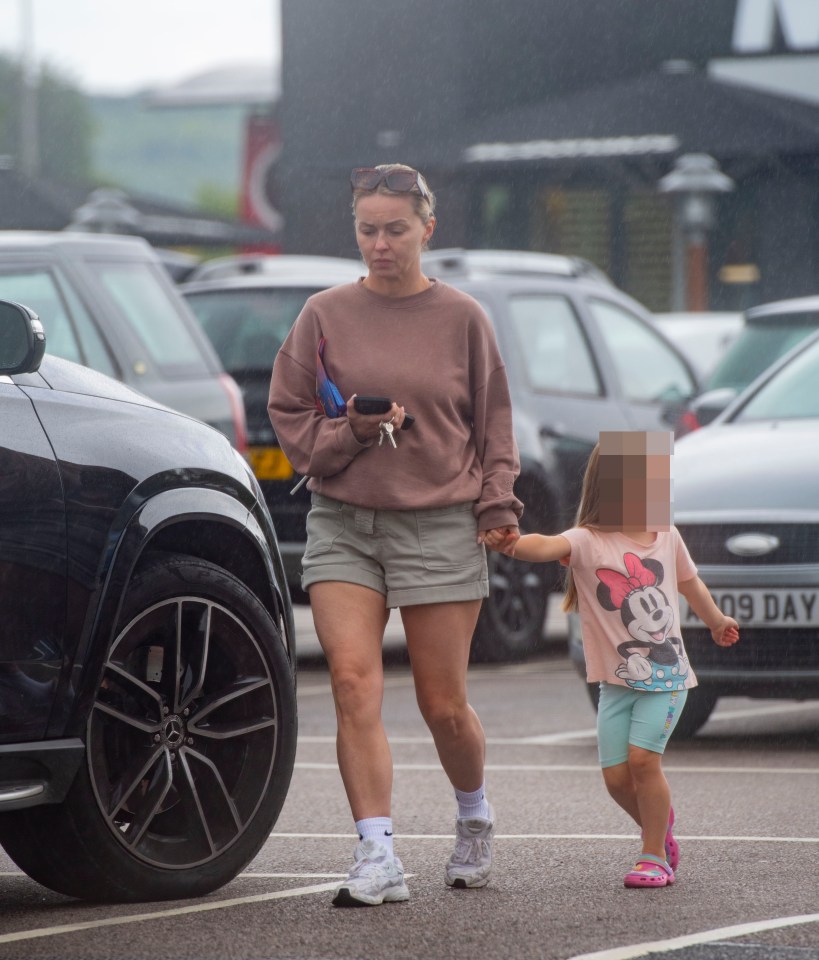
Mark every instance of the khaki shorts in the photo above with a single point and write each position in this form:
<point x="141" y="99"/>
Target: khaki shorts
<point x="410" y="556"/>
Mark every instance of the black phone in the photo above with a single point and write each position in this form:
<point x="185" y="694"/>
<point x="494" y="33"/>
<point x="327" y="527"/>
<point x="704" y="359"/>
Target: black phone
<point x="371" y="405"/>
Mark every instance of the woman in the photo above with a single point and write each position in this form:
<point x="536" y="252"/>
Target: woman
<point x="399" y="516"/>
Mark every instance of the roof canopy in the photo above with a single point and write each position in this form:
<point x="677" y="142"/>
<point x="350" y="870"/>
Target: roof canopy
<point x="662" y="113"/>
<point x="50" y="205"/>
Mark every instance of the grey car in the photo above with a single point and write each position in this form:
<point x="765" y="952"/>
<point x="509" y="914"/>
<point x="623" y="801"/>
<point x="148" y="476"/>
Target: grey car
<point x="246" y="306"/>
<point x="768" y="332"/>
<point x="747" y="505"/>
<point x="108" y="303"/>
<point x="581" y="357"/>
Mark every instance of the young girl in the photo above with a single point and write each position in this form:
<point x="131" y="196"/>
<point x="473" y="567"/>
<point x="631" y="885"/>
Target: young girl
<point x="626" y="564"/>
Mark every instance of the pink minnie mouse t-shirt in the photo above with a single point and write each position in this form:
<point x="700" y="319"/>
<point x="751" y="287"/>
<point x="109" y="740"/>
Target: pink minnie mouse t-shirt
<point x="629" y="607"/>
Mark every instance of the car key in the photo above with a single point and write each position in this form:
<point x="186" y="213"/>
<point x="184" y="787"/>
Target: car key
<point x="387" y="430"/>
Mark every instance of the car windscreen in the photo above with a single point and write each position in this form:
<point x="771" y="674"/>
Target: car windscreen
<point x="762" y="340"/>
<point x="70" y="331"/>
<point x="247" y="326"/>
<point x="791" y="394"/>
<point x="139" y="294"/>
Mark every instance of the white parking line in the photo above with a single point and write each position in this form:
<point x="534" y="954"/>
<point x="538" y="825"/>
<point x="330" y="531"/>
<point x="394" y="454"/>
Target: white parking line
<point x="551" y="836"/>
<point x="567" y="736"/>
<point x="692" y="939"/>
<point x="164" y="914"/>
<point x="799" y="707"/>
<point x="577" y="768"/>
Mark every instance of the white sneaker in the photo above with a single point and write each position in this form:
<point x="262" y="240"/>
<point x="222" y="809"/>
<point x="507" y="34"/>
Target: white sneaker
<point x="376" y="878"/>
<point x="471" y="861"/>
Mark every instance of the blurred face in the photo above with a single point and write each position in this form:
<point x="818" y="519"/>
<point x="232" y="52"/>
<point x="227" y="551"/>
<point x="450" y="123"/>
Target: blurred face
<point x="635" y="481"/>
<point x="391" y="236"/>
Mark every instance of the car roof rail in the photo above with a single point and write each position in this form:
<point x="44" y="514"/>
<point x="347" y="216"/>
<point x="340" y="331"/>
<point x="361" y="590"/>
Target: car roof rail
<point x="273" y="265"/>
<point x="783" y="308"/>
<point x="459" y="262"/>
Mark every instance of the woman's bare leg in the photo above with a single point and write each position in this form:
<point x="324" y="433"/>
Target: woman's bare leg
<point x="439" y="636"/>
<point x="350" y="621"/>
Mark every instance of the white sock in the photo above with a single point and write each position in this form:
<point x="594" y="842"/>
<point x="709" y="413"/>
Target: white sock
<point x="378" y="829"/>
<point x="473" y="804"/>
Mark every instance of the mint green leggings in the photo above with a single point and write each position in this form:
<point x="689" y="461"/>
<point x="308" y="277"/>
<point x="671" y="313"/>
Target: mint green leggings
<point x="641" y="718"/>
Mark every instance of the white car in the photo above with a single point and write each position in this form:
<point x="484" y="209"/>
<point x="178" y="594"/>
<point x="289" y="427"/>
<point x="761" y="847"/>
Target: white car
<point x="702" y="337"/>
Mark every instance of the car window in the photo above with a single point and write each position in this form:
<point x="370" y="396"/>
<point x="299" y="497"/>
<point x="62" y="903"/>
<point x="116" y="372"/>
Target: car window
<point x="552" y="345"/>
<point x="793" y="393"/>
<point x="70" y="331"/>
<point x="761" y="342"/>
<point x="152" y="315"/>
<point x="247" y="327"/>
<point x="648" y="369"/>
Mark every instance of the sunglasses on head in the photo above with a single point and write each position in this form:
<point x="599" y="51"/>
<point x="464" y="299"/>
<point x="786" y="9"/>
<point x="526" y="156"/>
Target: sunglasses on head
<point x="401" y="181"/>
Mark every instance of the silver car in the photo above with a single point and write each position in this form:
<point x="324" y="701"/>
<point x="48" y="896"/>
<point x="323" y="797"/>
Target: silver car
<point x="108" y="303"/>
<point x="580" y="354"/>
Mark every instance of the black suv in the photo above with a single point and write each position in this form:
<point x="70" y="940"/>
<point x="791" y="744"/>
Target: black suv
<point x="147" y="685"/>
<point x="108" y="303"/>
<point x="581" y="357"/>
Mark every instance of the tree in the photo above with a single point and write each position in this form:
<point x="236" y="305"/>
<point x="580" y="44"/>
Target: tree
<point x="64" y="122"/>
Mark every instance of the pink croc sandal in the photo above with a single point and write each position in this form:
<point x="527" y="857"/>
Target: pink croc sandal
<point x="649" y="871"/>
<point x="672" y="848"/>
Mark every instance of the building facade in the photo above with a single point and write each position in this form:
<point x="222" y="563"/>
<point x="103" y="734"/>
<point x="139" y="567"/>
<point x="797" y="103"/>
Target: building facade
<point x="547" y="125"/>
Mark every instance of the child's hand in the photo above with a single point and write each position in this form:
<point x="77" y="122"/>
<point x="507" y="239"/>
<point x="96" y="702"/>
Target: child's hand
<point x="727" y="634"/>
<point x="502" y="539"/>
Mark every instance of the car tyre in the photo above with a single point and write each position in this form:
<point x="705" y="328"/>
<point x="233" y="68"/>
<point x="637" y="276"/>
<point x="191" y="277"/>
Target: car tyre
<point x="511" y="622"/>
<point x="190" y="744"/>
<point x="698" y="708"/>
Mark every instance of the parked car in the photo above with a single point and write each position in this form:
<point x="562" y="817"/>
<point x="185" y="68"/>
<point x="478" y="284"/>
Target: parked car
<point x="247" y="315"/>
<point x="702" y="337"/>
<point x="747" y="505"/>
<point x="108" y="302"/>
<point x="581" y="357"/>
<point x="287" y="266"/>
<point x="769" y="332"/>
<point x="147" y="650"/>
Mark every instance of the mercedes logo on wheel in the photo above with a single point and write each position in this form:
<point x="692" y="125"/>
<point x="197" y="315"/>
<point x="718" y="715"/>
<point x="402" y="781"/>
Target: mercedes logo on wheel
<point x="173" y="731"/>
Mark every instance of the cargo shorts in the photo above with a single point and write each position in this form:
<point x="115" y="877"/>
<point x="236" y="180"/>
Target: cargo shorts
<point x="409" y="556"/>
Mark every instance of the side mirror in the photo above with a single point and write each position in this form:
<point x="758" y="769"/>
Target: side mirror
<point x="709" y="405"/>
<point x="22" y="339"/>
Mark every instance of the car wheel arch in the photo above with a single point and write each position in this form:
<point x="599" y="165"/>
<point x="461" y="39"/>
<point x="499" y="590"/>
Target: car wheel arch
<point x="203" y="524"/>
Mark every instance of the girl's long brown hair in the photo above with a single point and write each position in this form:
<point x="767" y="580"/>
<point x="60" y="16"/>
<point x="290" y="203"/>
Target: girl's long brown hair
<point x="588" y="515"/>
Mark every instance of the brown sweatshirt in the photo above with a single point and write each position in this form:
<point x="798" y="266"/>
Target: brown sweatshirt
<point x="434" y="353"/>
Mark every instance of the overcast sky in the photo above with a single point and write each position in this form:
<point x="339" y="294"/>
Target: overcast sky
<point x="121" y="46"/>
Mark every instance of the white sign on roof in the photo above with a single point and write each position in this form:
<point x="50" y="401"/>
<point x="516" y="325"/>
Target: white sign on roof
<point x="569" y="148"/>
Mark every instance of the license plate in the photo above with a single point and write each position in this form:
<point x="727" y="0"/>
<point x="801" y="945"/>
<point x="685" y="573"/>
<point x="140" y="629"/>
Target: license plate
<point x="775" y="608"/>
<point x="269" y="463"/>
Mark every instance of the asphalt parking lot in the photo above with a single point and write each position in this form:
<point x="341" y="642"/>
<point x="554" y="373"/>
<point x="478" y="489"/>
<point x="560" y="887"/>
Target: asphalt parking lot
<point x="745" y="790"/>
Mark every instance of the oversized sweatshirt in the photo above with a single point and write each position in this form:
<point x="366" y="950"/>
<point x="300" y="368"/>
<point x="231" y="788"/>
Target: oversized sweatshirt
<point x="435" y="354"/>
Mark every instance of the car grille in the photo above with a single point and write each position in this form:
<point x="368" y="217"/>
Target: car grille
<point x="776" y="651"/>
<point x="798" y="543"/>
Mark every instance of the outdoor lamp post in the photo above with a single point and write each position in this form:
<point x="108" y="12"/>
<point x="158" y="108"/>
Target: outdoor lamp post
<point x="695" y="181"/>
